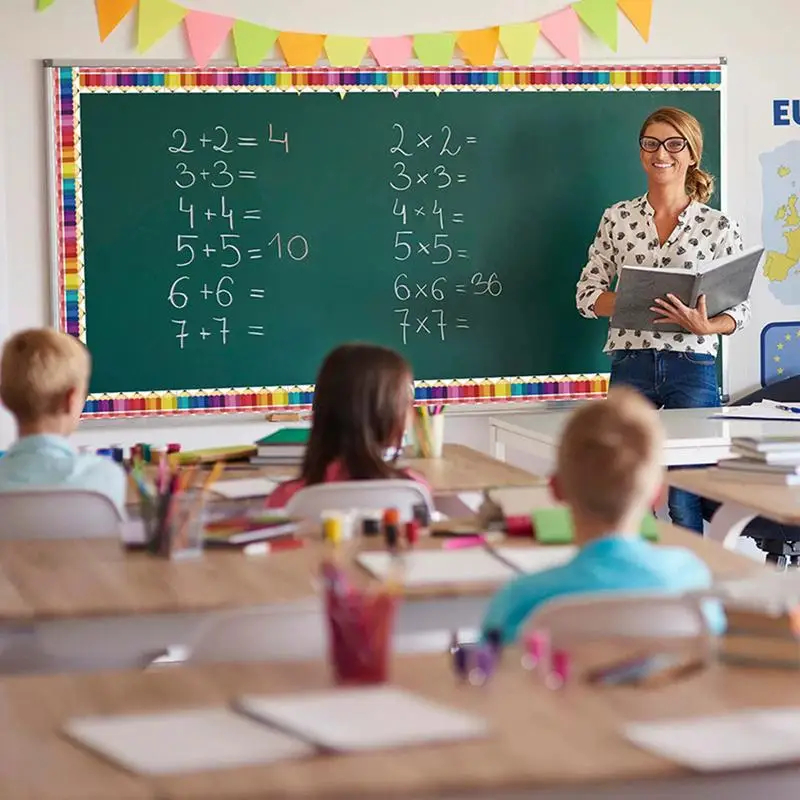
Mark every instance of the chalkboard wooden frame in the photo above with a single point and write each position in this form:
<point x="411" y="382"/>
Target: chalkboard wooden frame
<point x="66" y="83"/>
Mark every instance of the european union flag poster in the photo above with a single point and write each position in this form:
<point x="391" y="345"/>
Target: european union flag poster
<point x="780" y="351"/>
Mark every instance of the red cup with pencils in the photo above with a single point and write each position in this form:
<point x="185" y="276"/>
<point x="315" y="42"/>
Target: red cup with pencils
<point x="360" y="627"/>
<point x="427" y="431"/>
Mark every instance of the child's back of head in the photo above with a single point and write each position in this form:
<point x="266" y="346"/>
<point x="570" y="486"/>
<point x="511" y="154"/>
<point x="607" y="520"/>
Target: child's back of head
<point x="609" y="461"/>
<point x="362" y="399"/>
<point x="44" y="376"/>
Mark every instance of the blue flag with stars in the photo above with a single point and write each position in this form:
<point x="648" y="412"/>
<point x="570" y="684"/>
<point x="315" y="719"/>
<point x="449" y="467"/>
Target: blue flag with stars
<point x="780" y="351"/>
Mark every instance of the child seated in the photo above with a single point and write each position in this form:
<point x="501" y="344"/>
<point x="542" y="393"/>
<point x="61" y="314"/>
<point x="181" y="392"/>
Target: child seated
<point x="362" y="401"/>
<point x="44" y="377"/>
<point x="609" y="474"/>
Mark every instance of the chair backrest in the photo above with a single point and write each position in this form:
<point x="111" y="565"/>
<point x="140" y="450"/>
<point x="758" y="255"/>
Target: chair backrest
<point x="312" y="501"/>
<point x="57" y="513"/>
<point x="784" y="391"/>
<point x="290" y="631"/>
<point x="663" y="620"/>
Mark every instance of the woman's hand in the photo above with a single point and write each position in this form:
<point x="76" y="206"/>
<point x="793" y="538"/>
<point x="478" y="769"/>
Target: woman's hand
<point x="695" y="320"/>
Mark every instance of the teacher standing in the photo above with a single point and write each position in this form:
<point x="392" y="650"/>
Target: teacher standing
<point x="669" y="226"/>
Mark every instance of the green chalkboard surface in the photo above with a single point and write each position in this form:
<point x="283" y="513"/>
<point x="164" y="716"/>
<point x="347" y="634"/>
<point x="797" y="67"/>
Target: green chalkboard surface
<point x="232" y="239"/>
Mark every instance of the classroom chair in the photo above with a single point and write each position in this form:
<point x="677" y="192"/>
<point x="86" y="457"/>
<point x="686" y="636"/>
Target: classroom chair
<point x="57" y="513"/>
<point x="313" y="501"/>
<point x="653" y="620"/>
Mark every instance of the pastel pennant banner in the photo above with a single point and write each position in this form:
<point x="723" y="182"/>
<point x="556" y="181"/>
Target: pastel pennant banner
<point x="346" y="51"/>
<point x="640" y="14"/>
<point x="600" y="17"/>
<point x="392" y="51"/>
<point x="563" y="32"/>
<point x="253" y="43"/>
<point x="206" y="34"/>
<point x="110" y="13"/>
<point x="479" y="47"/>
<point x="519" y="41"/>
<point x="156" y="19"/>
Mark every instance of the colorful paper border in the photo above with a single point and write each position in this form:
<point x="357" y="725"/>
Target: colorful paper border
<point x="70" y="82"/>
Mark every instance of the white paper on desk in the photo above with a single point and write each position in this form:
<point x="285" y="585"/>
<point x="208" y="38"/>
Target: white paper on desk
<point x="439" y="567"/>
<point x="368" y="718"/>
<point x="766" y="591"/>
<point x="244" y="487"/>
<point x="184" y="741"/>
<point x="765" y="410"/>
<point x="741" y="740"/>
<point x="536" y="559"/>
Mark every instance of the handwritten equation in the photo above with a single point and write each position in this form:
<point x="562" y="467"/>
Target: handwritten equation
<point x="428" y="232"/>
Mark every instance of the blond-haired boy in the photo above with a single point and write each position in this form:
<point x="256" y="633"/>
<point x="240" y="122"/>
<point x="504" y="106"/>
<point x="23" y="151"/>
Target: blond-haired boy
<point x="44" y="377"/>
<point x="609" y="474"/>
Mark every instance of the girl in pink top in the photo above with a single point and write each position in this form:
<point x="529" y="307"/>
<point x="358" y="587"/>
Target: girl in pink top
<point x="362" y="400"/>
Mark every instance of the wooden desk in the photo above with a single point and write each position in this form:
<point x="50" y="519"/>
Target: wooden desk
<point x="460" y="469"/>
<point x="564" y="744"/>
<point x="741" y="501"/>
<point x="693" y="437"/>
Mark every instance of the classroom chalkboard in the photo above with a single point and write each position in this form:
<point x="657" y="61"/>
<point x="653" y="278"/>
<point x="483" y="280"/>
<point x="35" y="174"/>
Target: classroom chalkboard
<point x="224" y="236"/>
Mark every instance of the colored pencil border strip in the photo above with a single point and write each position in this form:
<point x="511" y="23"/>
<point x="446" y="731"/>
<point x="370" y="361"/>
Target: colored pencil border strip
<point x="70" y="82"/>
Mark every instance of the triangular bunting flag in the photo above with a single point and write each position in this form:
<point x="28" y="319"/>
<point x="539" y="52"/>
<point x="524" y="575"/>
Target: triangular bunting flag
<point x="600" y="17"/>
<point x="156" y="19"/>
<point x="110" y="13"/>
<point x="301" y="49"/>
<point x="518" y="42"/>
<point x="205" y="33"/>
<point x="479" y="47"/>
<point x="563" y="32"/>
<point x="252" y="42"/>
<point x="640" y="13"/>
<point x="41" y="5"/>
<point x="391" y="51"/>
<point x="346" y="51"/>
<point x="434" y="49"/>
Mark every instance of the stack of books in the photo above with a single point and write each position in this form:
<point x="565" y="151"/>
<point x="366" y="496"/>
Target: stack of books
<point x="764" y="459"/>
<point x="285" y="446"/>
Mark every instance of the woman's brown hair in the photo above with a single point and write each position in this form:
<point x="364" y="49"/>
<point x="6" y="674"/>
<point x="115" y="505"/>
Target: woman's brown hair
<point x="361" y="402"/>
<point x="699" y="183"/>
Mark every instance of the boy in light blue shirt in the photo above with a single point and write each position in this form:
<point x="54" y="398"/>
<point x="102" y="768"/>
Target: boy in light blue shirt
<point x="44" y="377"/>
<point x="609" y="474"/>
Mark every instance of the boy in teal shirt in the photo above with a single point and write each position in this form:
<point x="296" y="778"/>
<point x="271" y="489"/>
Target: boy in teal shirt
<point x="44" y="377"/>
<point x="609" y="474"/>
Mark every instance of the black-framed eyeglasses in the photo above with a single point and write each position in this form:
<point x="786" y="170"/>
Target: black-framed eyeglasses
<point x="674" y="144"/>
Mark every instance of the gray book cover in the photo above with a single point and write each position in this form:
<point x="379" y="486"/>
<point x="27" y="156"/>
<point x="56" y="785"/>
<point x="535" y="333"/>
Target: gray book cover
<point x="725" y="282"/>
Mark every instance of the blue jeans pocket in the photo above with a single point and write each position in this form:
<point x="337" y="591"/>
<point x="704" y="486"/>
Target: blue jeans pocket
<point x="700" y="359"/>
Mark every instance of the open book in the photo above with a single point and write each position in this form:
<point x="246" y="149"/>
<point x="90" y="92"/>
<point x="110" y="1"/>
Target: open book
<point x="725" y="282"/>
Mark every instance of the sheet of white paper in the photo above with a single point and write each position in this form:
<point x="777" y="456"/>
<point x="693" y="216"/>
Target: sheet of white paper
<point x="368" y="718"/>
<point x="439" y="567"/>
<point x="768" y="591"/>
<point x="767" y="410"/>
<point x="741" y="740"/>
<point x="184" y="741"/>
<point x="244" y="487"/>
<point x="536" y="559"/>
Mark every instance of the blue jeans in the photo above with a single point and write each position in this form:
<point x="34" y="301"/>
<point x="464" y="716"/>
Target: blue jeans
<point x="671" y="379"/>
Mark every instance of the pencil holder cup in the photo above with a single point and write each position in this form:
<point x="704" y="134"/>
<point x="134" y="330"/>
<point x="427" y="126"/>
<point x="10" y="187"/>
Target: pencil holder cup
<point x="360" y="626"/>
<point x="174" y="525"/>
<point x="427" y="435"/>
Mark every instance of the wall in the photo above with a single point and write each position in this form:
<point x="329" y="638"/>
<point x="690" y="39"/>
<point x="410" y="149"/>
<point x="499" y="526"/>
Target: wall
<point x="763" y="62"/>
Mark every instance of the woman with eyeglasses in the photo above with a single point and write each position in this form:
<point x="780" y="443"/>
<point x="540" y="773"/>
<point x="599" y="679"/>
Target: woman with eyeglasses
<point x="669" y="226"/>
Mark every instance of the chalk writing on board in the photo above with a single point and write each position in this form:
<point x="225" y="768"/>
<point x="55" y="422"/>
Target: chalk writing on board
<point x="425" y="163"/>
<point x="212" y="241"/>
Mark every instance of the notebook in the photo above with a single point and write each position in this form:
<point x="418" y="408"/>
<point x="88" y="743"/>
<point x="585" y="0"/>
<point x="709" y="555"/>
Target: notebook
<point x="244" y="488"/>
<point x="184" y="741"/>
<point x="725" y="282"/>
<point x="360" y="719"/>
<point x="438" y="567"/>
<point x="553" y="525"/>
<point x="535" y="559"/>
<point x="740" y="740"/>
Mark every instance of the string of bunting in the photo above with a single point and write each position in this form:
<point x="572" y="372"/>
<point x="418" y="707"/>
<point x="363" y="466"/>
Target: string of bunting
<point x="206" y="33"/>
